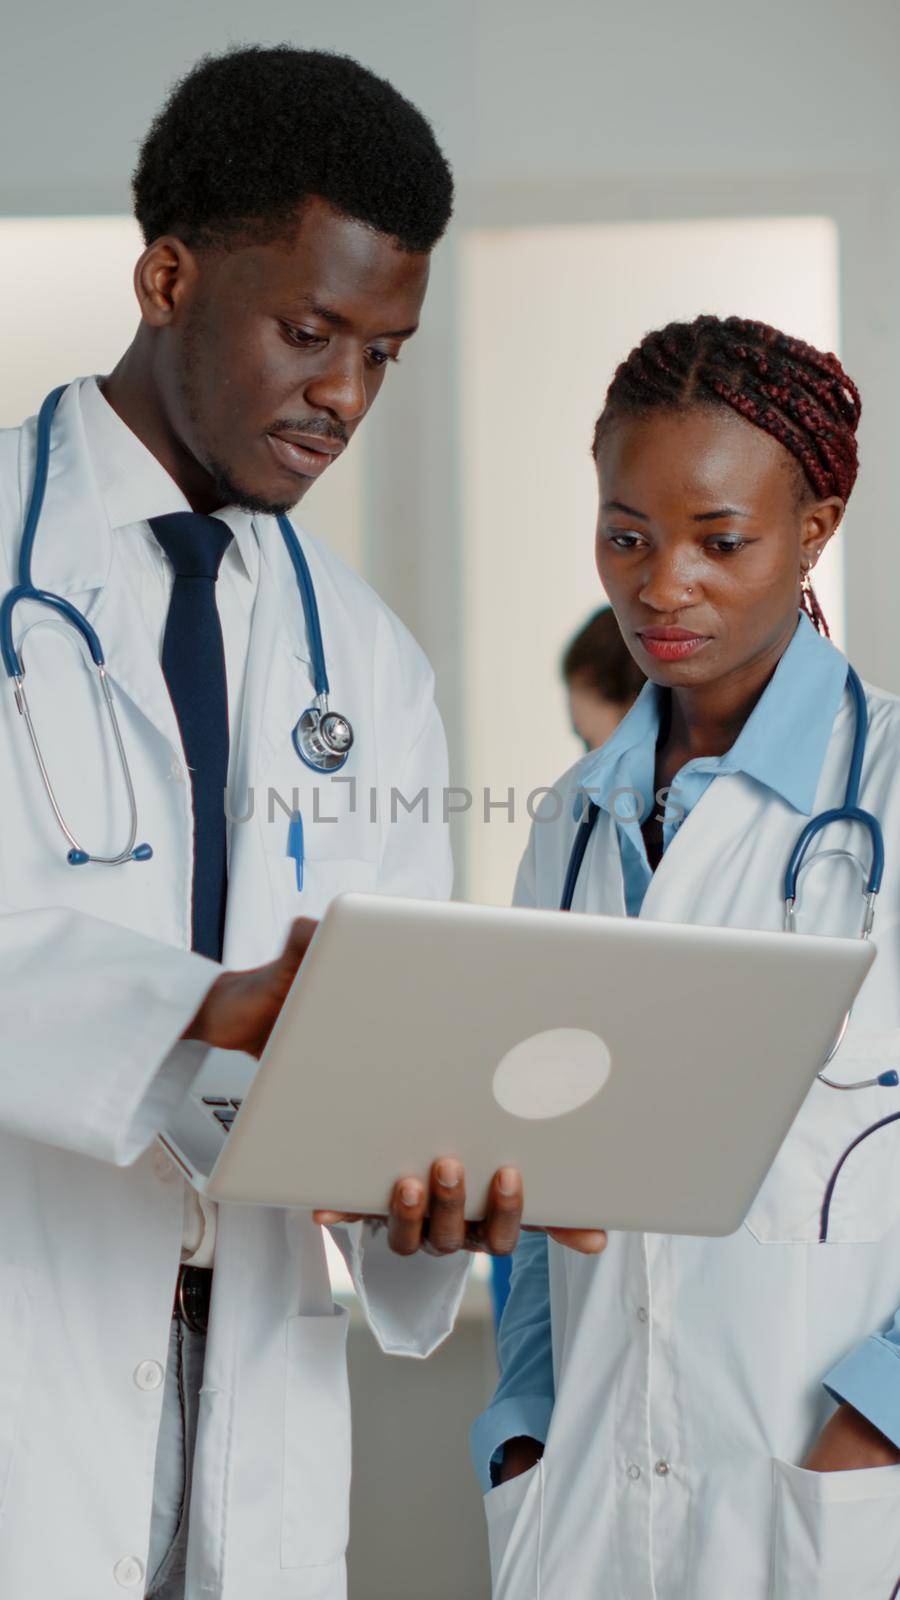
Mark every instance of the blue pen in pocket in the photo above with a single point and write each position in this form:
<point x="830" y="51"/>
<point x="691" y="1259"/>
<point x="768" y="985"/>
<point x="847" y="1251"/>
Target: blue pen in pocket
<point x="295" y="845"/>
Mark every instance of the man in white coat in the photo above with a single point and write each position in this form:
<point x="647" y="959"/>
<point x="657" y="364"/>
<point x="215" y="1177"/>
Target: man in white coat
<point x="289" y="201"/>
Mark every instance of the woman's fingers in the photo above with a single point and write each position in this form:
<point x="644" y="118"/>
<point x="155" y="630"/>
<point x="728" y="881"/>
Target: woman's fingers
<point x="447" y="1208"/>
<point x="408" y="1204"/>
<point x="500" y="1229"/>
<point x="446" y="1230"/>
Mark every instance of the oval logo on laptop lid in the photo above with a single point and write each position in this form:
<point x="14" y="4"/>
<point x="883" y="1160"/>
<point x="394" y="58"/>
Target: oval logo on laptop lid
<point x="551" y="1073"/>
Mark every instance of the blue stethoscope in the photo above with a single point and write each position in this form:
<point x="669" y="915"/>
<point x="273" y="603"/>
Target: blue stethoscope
<point x="322" y="738"/>
<point x="850" y="811"/>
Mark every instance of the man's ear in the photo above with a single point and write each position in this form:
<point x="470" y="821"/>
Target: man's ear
<point x="163" y="278"/>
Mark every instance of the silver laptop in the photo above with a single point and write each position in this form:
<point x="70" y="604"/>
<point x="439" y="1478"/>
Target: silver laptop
<point x="641" y="1074"/>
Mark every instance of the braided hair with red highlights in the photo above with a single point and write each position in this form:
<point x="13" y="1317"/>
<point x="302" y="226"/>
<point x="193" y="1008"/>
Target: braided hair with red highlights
<point x="799" y="395"/>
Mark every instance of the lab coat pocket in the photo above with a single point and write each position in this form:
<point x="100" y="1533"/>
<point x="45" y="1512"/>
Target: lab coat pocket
<point x="837" y="1174"/>
<point x="309" y="893"/>
<point x="514" y="1512"/>
<point x="315" y="1511"/>
<point x="835" y="1534"/>
<point x="15" y="1328"/>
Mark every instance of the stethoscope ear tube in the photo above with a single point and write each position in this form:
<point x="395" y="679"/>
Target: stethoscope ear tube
<point x="322" y="738"/>
<point x="76" y="855"/>
<point x="582" y="840"/>
<point x="850" y="811"/>
<point x="56" y="602"/>
<point x="825" y="1212"/>
<point x="38" y="483"/>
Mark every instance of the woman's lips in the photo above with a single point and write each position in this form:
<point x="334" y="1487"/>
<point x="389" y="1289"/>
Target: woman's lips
<point x="303" y="462"/>
<point x="671" y="644"/>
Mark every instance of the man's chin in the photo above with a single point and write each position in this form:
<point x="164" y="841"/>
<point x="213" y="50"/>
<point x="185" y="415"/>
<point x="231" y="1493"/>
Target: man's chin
<point x="251" y="498"/>
<point x="260" y="505"/>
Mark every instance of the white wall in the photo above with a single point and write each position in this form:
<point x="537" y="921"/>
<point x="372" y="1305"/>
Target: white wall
<point x="520" y="90"/>
<point x="590" y="110"/>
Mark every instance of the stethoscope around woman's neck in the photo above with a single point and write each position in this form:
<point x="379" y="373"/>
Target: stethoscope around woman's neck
<point x="322" y="738"/>
<point x="850" y="811"/>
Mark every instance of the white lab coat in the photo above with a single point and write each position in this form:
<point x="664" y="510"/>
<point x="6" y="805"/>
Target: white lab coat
<point x="97" y="982"/>
<point x="689" y="1371"/>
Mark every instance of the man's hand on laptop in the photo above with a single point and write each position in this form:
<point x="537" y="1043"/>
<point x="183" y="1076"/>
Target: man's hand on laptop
<point x="445" y="1229"/>
<point x="240" y="1010"/>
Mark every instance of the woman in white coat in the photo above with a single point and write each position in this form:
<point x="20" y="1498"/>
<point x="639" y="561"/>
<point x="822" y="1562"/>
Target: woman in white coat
<point x="691" y="1417"/>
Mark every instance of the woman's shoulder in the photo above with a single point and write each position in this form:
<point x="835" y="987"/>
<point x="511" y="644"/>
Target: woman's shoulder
<point x="555" y="813"/>
<point x="564" y="800"/>
<point x="884" y="713"/>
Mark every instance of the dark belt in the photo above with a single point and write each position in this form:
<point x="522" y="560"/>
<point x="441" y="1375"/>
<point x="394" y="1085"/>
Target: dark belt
<point x="192" y="1297"/>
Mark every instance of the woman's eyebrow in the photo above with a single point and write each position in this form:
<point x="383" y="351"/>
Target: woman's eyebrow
<point x="619" y="505"/>
<point x="713" y="516"/>
<point x="699" y="516"/>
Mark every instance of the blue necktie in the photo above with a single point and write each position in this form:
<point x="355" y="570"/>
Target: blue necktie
<point x="193" y="663"/>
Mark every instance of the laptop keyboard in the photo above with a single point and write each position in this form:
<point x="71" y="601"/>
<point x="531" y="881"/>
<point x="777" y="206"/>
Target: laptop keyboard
<point x="223" y="1109"/>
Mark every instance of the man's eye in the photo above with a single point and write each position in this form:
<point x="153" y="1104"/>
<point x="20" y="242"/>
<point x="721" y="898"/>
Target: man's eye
<point x="380" y="358"/>
<point x="301" y="336"/>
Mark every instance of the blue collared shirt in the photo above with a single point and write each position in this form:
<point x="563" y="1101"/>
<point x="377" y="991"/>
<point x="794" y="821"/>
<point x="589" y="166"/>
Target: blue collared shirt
<point x="782" y="746"/>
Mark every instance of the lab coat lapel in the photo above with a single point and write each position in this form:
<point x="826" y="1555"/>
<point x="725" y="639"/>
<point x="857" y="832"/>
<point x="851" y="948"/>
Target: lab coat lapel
<point x="131" y="652"/>
<point x="724" y="866"/>
<point x="277" y="686"/>
<point x="75" y="556"/>
<point x="278" y="683"/>
<point x="601" y="886"/>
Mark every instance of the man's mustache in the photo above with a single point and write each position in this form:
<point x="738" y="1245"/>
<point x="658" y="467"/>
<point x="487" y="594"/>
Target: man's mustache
<point x="318" y="427"/>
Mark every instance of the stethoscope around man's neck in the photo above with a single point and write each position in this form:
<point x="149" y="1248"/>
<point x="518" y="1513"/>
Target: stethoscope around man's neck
<point x="322" y="738"/>
<point x="850" y="811"/>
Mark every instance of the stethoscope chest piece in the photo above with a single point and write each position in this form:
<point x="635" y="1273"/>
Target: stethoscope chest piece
<point x="323" y="739"/>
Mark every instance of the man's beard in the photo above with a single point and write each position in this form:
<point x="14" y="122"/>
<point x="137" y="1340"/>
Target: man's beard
<point x="233" y="494"/>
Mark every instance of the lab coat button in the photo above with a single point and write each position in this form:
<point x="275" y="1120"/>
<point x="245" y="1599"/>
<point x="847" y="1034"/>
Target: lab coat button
<point x="128" y="1572"/>
<point x="148" y="1375"/>
<point x="661" y="1469"/>
<point x="634" y="1471"/>
<point x="642" y="1314"/>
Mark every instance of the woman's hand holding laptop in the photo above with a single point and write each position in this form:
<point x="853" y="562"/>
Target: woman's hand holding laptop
<point x="445" y="1228"/>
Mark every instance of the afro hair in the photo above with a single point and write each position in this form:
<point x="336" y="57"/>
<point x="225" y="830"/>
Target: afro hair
<point x="246" y="137"/>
